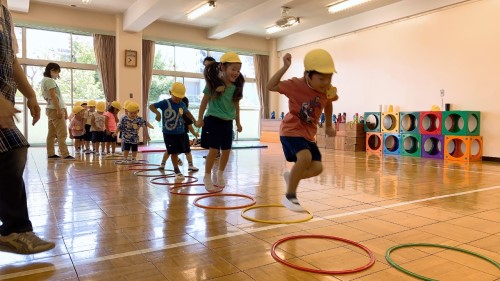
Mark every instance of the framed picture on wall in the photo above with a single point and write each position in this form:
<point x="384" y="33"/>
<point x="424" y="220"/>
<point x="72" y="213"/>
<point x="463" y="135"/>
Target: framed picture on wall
<point x="130" y="58"/>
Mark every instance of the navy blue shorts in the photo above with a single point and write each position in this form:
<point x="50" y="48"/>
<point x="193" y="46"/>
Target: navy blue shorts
<point x="175" y="143"/>
<point x="292" y="145"/>
<point x="129" y="146"/>
<point x="97" y="136"/>
<point x="187" y="145"/>
<point x="88" y="133"/>
<point x="109" y="138"/>
<point x="217" y="133"/>
<point x="79" y="137"/>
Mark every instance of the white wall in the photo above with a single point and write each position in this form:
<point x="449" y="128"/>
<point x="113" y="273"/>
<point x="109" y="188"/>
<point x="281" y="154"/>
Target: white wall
<point x="408" y="62"/>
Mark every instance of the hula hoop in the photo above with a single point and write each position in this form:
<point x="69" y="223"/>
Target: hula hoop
<point x="271" y="221"/>
<point x="175" y="186"/>
<point x="179" y="184"/>
<point x="398" y="267"/>
<point x="280" y="260"/>
<point x="158" y="175"/>
<point x="137" y="167"/>
<point x="120" y="162"/>
<point x="224" y="208"/>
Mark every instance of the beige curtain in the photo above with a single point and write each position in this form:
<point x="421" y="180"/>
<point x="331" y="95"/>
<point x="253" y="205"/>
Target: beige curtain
<point x="105" y="53"/>
<point x="261" y="65"/>
<point x="148" y="56"/>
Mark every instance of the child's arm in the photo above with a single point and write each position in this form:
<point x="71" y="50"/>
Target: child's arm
<point x="117" y="132"/>
<point x="328" y="122"/>
<point x="203" y="106"/>
<point x="71" y="125"/>
<point x="191" y="129"/>
<point x="153" y="108"/>
<point x="237" y="108"/>
<point x="92" y="121"/>
<point x="272" y="85"/>
<point x="190" y="116"/>
<point x="149" y="125"/>
<point x="146" y="132"/>
<point x="106" y="124"/>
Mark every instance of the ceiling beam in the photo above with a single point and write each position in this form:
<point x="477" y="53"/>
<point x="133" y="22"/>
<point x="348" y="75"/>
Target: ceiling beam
<point x="142" y="13"/>
<point x="248" y="18"/>
<point x="21" y="6"/>
<point x="386" y="14"/>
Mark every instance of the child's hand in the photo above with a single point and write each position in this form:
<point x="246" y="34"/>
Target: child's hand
<point x="71" y="136"/>
<point x="220" y="89"/>
<point x="148" y="138"/>
<point x="113" y="135"/>
<point x="196" y="135"/>
<point x="329" y="131"/>
<point x="239" y="128"/>
<point x="158" y="117"/>
<point x="200" y="123"/>
<point x="287" y="59"/>
<point x="108" y="132"/>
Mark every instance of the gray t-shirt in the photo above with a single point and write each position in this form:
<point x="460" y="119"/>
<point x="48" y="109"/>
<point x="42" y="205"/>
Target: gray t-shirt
<point x="47" y="84"/>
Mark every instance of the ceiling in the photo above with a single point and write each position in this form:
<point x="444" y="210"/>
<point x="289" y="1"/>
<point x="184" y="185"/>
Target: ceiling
<point x="229" y="17"/>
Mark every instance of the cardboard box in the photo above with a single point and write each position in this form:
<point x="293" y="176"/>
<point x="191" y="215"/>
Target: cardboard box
<point x="339" y="142"/>
<point x="330" y="142"/>
<point x="355" y="144"/>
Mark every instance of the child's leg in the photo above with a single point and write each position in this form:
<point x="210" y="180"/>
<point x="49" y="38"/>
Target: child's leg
<point x="302" y="169"/>
<point x="209" y="163"/>
<point x="174" y="159"/>
<point x="125" y="151"/>
<point x="189" y="158"/>
<point x="224" y="158"/>
<point x="113" y="147"/>
<point x="165" y="158"/>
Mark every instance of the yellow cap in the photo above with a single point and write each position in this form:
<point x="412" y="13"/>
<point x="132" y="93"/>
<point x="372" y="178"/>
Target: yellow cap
<point x="78" y="103"/>
<point x="319" y="60"/>
<point x="116" y="105"/>
<point x="230" y="57"/>
<point x="178" y="90"/>
<point x="435" y="108"/>
<point x="91" y="103"/>
<point x="101" y="106"/>
<point x="126" y="103"/>
<point x="132" y="106"/>
<point x="77" y="109"/>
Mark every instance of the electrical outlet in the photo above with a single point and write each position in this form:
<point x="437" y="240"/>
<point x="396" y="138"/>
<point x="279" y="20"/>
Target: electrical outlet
<point x="442" y="92"/>
<point x="132" y="95"/>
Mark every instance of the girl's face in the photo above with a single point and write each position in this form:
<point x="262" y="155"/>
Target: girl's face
<point x="176" y="99"/>
<point x="117" y="110"/>
<point x="231" y="71"/>
<point x="54" y="73"/>
<point x="80" y="114"/>
<point x="132" y="115"/>
<point x="320" y="81"/>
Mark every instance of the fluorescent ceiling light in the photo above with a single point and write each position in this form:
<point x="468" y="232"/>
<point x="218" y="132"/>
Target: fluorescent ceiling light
<point x="200" y="10"/>
<point x="344" y="5"/>
<point x="273" y="29"/>
<point x="86" y="1"/>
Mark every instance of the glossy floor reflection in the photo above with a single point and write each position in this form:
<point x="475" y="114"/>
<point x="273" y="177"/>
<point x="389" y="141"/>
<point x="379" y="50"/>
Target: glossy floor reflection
<point x="112" y="225"/>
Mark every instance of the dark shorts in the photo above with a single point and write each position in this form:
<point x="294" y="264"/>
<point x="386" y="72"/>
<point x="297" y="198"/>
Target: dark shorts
<point x="187" y="145"/>
<point x="97" y="136"/>
<point x="292" y="145"/>
<point x="109" y="138"/>
<point x="88" y="133"/>
<point x="175" y="143"/>
<point x="79" y="137"/>
<point x="217" y="133"/>
<point x="129" y="146"/>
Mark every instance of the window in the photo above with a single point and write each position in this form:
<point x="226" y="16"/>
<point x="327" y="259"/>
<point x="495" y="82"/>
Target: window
<point x="79" y="79"/>
<point x="185" y="65"/>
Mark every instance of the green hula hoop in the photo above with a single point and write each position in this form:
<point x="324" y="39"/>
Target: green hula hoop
<point x="398" y="267"/>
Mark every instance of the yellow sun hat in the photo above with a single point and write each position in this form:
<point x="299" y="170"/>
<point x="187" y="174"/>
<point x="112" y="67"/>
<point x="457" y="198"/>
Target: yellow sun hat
<point x="132" y="106"/>
<point x="125" y="103"/>
<point x="319" y="60"/>
<point x="101" y="106"/>
<point x="78" y="103"/>
<point x="77" y="108"/>
<point x="230" y="57"/>
<point x="91" y="103"/>
<point x="116" y="105"/>
<point x="178" y="90"/>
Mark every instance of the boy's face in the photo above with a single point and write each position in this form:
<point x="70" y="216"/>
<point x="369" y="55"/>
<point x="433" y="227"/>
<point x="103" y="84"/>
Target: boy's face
<point x="132" y="115"/>
<point x="231" y="71"/>
<point x="320" y="81"/>
<point x="80" y="114"/>
<point x="91" y="108"/>
<point x="176" y="99"/>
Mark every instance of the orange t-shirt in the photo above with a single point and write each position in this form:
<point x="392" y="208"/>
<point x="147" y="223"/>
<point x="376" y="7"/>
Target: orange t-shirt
<point x="305" y="106"/>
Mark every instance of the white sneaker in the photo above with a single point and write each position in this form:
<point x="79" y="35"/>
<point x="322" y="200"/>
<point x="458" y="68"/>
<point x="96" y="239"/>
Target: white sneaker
<point x="162" y="166"/>
<point x="193" y="169"/>
<point x="209" y="185"/>
<point x="135" y="161"/>
<point x="25" y="243"/>
<point x="109" y="155"/>
<point x="292" y="204"/>
<point x="179" y="177"/>
<point x="220" y="179"/>
<point x="179" y="162"/>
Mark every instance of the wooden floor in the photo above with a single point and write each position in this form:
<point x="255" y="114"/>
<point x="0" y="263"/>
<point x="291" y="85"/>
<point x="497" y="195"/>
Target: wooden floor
<point x="112" y="225"/>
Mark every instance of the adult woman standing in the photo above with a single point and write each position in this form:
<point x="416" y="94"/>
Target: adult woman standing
<point x="56" y="113"/>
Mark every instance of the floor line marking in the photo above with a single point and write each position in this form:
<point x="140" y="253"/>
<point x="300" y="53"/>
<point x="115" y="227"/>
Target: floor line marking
<point x="241" y="232"/>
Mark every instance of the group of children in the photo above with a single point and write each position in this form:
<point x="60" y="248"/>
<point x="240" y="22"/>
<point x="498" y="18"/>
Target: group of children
<point x="308" y="96"/>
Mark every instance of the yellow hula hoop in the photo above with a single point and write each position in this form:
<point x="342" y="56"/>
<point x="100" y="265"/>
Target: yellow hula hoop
<point x="271" y="221"/>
